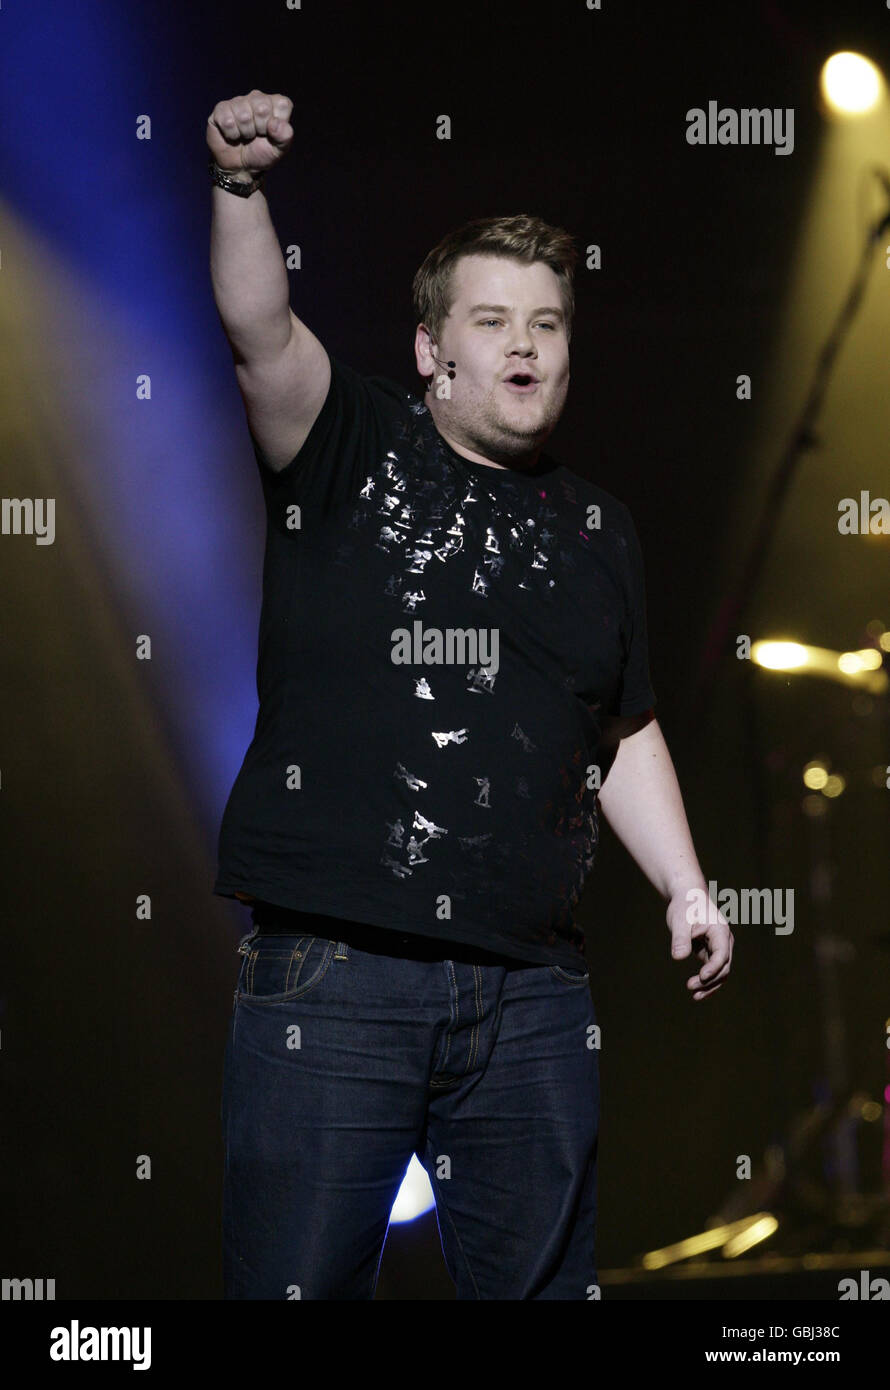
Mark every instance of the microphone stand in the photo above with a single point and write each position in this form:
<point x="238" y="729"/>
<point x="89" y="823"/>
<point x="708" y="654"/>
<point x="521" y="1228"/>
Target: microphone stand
<point x="727" y="622"/>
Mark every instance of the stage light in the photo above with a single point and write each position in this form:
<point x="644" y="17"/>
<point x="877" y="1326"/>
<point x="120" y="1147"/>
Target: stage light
<point x="734" y="1236"/>
<point x="415" y="1196"/>
<point x="779" y="656"/>
<point x="850" y="84"/>
<point x="852" y="662"/>
<point x="815" y="775"/>
<point x="760" y="1229"/>
<point x="862" y="668"/>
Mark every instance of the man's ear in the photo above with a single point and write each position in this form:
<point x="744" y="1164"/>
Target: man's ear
<point x="423" y="339"/>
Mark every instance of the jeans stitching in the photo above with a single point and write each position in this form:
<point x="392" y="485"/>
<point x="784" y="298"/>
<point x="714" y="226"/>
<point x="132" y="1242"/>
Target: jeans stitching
<point x="290" y="966"/>
<point x="297" y="954"/>
<point x="474" y="1034"/>
<point x="455" y="1012"/>
<point x="299" y="991"/>
<point x="567" y="979"/>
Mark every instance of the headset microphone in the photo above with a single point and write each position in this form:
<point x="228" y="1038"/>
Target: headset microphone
<point x="450" y="365"/>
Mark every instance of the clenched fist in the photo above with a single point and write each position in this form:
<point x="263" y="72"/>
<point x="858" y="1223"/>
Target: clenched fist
<point x="250" y="133"/>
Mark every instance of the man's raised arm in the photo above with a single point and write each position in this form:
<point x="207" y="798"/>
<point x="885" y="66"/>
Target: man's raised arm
<point x="283" y="370"/>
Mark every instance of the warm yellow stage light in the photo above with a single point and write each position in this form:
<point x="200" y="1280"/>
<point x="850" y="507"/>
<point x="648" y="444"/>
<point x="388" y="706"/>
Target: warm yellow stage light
<point x="779" y="656"/>
<point x="865" y="660"/>
<point x="850" y="83"/>
<point x="863" y="668"/>
<point x="760" y="1229"/>
<point x="815" y="775"/>
<point x="735" y="1236"/>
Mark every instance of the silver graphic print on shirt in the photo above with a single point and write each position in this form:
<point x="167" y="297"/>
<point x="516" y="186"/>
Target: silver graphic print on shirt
<point x="432" y="532"/>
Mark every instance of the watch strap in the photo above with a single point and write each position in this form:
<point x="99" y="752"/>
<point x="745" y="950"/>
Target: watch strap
<point x="223" y="179"/>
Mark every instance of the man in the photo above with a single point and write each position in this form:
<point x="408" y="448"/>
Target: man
<point x="453" y="672"/>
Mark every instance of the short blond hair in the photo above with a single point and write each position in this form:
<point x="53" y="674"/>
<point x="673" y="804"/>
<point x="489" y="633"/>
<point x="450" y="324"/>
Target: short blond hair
<point x="523" y="238"/>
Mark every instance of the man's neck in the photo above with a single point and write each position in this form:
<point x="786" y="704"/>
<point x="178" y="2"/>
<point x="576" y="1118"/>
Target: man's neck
<point x="527" y="463"/>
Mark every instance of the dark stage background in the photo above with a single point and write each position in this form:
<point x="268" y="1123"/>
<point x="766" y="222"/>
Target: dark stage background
<point x="715" y="262"/>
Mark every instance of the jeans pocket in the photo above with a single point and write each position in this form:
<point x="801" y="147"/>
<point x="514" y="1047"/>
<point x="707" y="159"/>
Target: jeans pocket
<point x="279" y="968"/>
<point x="568" y="975"/>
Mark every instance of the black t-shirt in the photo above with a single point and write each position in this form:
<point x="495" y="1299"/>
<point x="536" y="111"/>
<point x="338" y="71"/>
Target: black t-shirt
<point x="447" y="792"/>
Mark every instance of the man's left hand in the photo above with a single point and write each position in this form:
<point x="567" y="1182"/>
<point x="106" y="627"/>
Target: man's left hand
<point x="711" y="941"/>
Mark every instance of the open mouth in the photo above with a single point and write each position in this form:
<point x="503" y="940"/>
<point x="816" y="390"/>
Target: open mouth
<point x="521" y="382"/>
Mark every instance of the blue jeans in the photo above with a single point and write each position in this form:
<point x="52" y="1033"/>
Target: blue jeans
<point x="344" y="1059"/>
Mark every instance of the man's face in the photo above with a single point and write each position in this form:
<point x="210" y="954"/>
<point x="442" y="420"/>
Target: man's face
<point x="506" y="318"/>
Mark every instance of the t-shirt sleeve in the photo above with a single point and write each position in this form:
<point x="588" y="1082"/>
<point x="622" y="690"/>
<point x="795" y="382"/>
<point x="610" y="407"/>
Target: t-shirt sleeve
<point x="357" y="415"/>
<point x="635" y="693"/>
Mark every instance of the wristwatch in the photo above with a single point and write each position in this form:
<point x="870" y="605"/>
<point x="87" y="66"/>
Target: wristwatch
<point x="223" y="179"/>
